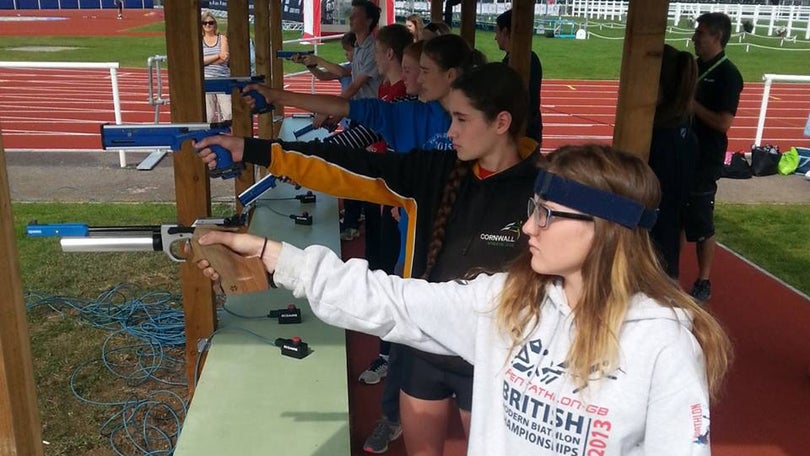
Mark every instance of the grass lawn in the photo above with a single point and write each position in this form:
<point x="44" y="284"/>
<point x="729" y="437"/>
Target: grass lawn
<point x="595" y="58"/>
<point x="772" y="236"/>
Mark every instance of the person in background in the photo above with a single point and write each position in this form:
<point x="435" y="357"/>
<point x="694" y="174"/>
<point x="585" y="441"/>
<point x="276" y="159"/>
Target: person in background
<point x="464" y="211"/>
<point x="215" y="61"/>
<point x="325" y="70"/>
<point x="363" y="21"/>
<point x="503" y="36"/>
<point x="448" y="10"/>
<point x="415" y="25"/>
<point x="583" y="342"/>
<point x="408" y="124"/>
<point x="365" y="79"/>
<point x="434" y="29"/>
<point x="673" y="152"/>
<point x="715" y="105"/>
<point x="119" y="5"/>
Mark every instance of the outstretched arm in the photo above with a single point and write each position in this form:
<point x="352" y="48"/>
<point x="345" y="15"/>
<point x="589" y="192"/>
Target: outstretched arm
<point x="332" y="68"/>
<point x="324" y="104"/>
<point x="440" y="318"/>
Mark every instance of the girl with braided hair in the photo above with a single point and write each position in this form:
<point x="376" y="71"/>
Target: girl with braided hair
<point x="465" y="209"/>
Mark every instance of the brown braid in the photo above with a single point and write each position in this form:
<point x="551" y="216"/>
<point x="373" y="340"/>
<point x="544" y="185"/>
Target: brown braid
<point x="449" y="194"/>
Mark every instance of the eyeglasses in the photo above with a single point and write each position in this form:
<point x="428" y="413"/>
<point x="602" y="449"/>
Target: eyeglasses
<point x="209" y="23"/>
<point x="543" y="215"/>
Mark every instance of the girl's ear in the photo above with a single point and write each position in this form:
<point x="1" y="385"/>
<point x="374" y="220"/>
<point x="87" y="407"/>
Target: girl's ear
<point x="502" y="122"/>
<point x="452" y="74"/>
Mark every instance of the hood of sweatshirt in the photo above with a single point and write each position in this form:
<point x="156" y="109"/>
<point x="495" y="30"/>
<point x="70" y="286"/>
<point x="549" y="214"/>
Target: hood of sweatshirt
<point x="641" y="307"/>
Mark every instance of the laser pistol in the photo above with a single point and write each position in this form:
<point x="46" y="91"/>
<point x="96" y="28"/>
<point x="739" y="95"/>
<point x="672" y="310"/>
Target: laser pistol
<point x="290" y="54"/>
<point x="238" y="275"/>
<point x="226" y="85"/>
<point x="79" y="237"/>
<point x="172" y="136"/>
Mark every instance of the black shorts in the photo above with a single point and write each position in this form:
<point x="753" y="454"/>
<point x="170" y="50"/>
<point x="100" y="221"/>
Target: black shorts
<point x="426" y="380"/>
<point x="698" y="215"/>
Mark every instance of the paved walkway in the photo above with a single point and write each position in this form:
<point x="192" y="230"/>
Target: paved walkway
<point x="97" y="177"/>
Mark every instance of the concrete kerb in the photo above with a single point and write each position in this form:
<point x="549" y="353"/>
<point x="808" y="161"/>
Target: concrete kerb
<point x="96" y="177"/>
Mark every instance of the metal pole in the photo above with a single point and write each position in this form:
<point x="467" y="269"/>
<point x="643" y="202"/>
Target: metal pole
<point x="122" y="157"/>
<point x="766" y="92"/>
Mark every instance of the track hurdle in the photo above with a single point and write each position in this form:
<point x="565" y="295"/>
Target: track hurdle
<point x="112" y="66"/>
<point x="766" y="93"/>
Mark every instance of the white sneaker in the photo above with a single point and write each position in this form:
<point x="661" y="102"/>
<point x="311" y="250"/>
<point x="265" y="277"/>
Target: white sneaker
<point x="377" y="370"/>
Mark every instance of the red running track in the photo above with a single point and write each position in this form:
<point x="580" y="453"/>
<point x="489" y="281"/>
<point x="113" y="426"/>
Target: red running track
<point x="67" y="115"/>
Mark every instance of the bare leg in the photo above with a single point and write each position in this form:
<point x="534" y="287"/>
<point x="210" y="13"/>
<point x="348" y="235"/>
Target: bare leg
<point x="424" y="424"/>
<point x="465" y="421"/>
<point x="705" y="256"/>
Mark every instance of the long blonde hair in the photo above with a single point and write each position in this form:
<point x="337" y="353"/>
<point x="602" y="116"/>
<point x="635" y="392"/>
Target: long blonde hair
<point x="620" y="264"/>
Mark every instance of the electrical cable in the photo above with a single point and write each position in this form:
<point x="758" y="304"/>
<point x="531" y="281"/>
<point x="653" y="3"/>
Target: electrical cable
<point x="275" y="211"/>
<point x="143" y="425"/>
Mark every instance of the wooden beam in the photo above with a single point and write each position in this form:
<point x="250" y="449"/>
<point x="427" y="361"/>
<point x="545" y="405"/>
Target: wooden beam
<point x="276" y="64"/>
<point x="261" y="27"/>
<point x="239" y="62"/>
<point x="437" y="11"/>
<point x="20" y="429"/>
<point x="520" y="41"/>
<point x="192" y="188"/>
<point x="468" y="14"/>
<point x="641" y="67"/>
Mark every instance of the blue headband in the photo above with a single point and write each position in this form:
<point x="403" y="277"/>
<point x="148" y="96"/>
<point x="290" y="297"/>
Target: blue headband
<point x="592" y="201"/>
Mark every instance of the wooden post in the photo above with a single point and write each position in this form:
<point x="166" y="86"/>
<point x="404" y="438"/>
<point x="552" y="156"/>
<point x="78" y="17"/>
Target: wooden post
<point x="641" y="67"/>
<point x="277" y="65"/>
<point x="520" y="41"/>
<point x="192" y="188"/>
<point x="261" y="27"/>
<point x="239" y="62"/>
<point x="20" y="429"/>
<point x="468" y="14"/>
<point x="437" y="11"/>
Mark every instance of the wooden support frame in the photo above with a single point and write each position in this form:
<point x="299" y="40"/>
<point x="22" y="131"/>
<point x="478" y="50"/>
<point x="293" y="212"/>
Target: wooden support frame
<point x="20" y="429"/>
<point x="468" y="16"/>
<point x="261" y="27"/>
<point x="192" y="187"/>
<point x="521" y="48"/>
<point x="437" y="11"/>
<point x="276" y="64"/>
<point x="638" y="82"/>
<point x="239" y="62"/>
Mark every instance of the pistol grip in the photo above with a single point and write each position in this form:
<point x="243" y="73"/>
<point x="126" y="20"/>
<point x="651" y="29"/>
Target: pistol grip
<point x="238" y="275"/>
<point x="226" y="168"/>
<point x="261" y="106"/>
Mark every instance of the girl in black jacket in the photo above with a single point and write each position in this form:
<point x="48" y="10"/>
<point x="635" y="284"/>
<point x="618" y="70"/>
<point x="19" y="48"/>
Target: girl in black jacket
<point x="465" y="208"/>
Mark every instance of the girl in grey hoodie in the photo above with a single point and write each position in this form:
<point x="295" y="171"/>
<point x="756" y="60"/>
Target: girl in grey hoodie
<point x="583" y="347"/>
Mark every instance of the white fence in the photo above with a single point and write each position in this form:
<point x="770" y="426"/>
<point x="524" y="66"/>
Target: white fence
<point x="404" y="8"/>
<point x="784" y="19"/>
<point x="789" y="19"/>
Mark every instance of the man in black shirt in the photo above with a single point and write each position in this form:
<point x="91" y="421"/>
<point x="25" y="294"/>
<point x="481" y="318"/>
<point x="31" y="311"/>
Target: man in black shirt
<point x="715" y="105"/>
<point x="503" y="34"/>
